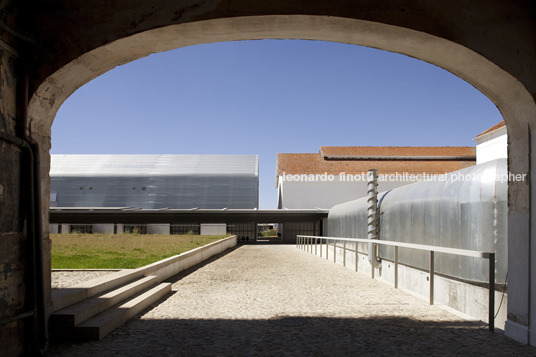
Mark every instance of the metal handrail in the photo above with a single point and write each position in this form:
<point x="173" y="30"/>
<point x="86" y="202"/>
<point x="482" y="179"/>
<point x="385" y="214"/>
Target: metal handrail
<point x="306" y="243"/>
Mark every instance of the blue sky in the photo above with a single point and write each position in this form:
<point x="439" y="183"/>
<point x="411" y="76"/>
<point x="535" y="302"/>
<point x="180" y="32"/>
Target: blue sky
<point x="268" y="97"/>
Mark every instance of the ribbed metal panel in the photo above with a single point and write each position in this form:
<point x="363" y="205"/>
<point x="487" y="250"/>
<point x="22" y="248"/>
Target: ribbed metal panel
<point x="155" y="181"/>
<point x="467" y="214"/>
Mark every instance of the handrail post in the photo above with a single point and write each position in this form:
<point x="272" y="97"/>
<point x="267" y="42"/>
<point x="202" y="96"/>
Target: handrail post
<point x="327" y="249"/>
<point x="371" y="246"/>
<point x="431" y="277"/>
<point x="491" y="308"/>
<point x="321" y="243"/>
<point x="344" y="253"/>
<point x="356" y="257"/>
<point x="334" y="251"/>
<point x="396" y="267"/>
<point x="316" y="245"/>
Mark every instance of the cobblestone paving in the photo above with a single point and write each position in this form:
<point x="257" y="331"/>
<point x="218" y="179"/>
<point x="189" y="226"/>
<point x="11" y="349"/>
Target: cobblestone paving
<point x="275" y="300"/>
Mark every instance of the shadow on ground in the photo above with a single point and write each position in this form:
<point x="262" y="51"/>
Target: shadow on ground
<point x="300" y="336"/>
<point x="318" y="335"/>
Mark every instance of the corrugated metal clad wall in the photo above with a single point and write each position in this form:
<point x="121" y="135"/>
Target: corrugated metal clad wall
<point x="449" y="212"/>
<point x="155" y="181"/>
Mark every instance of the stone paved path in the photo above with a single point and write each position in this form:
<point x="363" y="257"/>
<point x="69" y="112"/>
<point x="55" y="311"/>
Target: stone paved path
<point x="275" y="300"/>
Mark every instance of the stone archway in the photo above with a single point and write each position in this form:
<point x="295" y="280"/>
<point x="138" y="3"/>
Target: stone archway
<point x="488" y="43"/>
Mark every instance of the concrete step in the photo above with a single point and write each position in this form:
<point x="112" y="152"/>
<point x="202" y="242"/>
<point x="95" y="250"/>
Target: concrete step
<point x="76" y="314"/>
<point x="64" y="297"/>
<point x="104" y="323"/>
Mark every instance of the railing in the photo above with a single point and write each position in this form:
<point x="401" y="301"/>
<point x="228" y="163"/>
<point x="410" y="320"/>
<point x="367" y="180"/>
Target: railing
<point x="310" y="243"/>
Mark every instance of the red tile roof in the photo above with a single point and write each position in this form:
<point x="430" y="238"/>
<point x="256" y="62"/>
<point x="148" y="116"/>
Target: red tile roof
<point x="393" y="152"/>
<point x="493" y="128"/>
<point x="317" y="164"/>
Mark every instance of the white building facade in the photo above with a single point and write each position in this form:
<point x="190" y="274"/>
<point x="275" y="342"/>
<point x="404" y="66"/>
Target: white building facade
<point x="337" y="174"/>
<point x="492" y="144"/>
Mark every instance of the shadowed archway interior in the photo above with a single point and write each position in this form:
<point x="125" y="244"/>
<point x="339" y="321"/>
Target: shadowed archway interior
<point x="490" y="44"/>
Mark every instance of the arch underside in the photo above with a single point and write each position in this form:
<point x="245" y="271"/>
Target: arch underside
<point x="502" y="88"/>
<point x="510" y="95"/>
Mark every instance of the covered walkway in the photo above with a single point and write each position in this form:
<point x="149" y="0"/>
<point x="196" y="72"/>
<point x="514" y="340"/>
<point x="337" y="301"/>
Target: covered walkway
<point x="277" y="300"/>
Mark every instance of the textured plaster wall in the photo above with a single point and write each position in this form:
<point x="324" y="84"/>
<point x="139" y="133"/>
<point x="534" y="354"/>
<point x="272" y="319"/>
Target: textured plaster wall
<point x="12" y="239"/>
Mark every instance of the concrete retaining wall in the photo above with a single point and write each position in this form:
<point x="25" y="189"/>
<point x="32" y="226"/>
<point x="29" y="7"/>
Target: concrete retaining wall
<point x="171" y="266"/>
<point x="469" y="299"/>
<point x="162" y="269"/>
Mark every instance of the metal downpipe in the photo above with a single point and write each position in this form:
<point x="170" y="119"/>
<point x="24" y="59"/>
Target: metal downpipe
<point x="372" y="216"/>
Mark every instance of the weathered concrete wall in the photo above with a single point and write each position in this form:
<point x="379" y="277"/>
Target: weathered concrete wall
<point x="490" y="27"/>
<point x="12" y="239"/>
<point x="489" y="43"/>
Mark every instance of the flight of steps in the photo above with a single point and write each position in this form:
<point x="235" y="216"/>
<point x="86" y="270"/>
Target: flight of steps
<point x="91" y="310"/>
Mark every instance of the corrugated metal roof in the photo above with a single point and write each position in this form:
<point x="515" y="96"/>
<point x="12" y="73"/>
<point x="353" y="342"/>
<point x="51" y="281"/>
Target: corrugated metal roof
<point x="149" y="165"/>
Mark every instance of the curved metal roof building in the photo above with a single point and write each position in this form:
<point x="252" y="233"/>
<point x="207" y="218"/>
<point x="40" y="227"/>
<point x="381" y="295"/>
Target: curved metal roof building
<point x="155" y="181"/>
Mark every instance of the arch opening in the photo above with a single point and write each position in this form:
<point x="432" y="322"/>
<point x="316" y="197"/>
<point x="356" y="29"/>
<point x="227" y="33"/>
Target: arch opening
<point x="509" y="95"/>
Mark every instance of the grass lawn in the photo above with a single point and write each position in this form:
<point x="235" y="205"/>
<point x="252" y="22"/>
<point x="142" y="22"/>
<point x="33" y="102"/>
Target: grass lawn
<point x="119" y="251"/>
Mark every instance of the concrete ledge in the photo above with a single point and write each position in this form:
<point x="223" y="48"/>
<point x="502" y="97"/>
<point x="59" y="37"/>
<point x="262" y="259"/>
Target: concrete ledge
<point x="517" y="332"/>
<point x="162" y="269"/>
<point x="171" y="266"/>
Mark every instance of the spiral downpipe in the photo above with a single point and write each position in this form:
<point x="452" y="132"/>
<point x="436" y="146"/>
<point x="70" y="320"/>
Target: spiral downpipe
<point x="372" y="219"/>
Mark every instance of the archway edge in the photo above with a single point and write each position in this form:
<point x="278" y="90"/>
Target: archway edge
<point x="507" y="92"/>
<point x="509" y="95"/>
